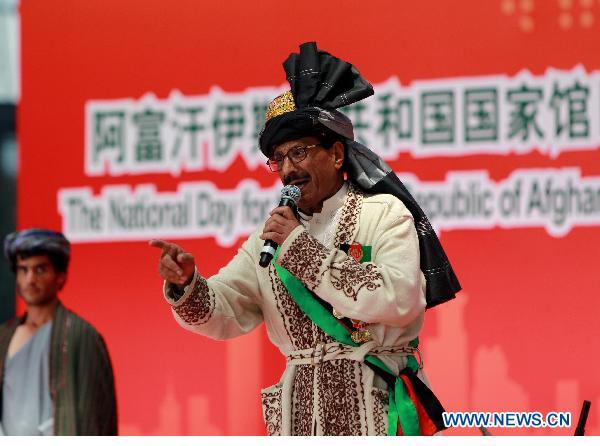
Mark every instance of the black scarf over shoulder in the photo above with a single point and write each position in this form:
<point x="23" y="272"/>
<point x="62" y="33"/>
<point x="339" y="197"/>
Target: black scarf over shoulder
<point x="320" y="84"/>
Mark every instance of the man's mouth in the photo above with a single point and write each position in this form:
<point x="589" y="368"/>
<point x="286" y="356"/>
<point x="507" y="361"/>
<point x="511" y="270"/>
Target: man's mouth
<point x="300" y="182"/>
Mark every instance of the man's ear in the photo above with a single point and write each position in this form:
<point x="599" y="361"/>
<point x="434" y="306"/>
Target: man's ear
<point x="338" y="153"/>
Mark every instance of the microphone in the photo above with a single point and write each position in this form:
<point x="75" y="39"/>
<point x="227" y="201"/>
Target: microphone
<point x="290" y="196"/>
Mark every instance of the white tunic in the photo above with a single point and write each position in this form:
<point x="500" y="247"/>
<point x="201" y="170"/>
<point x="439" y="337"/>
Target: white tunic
<point x="326" y="388"/>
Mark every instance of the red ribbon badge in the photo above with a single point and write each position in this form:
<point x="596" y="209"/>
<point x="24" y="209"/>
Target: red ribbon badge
<point x="356" y="251"/>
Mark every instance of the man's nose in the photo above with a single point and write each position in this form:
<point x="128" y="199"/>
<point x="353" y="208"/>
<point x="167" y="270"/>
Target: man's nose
<point x="30" y="276"/>
<point x="287" y="167"/>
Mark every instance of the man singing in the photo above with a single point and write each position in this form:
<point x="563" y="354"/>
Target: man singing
<point x="345" y="296"/>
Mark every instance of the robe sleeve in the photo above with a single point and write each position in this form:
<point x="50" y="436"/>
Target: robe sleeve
<point x="389" y="289"/>
<point x="225" y="305"/>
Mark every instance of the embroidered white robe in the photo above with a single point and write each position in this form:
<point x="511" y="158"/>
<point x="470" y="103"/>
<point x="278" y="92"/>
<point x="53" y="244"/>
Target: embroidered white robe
<point x="337" y="395"/>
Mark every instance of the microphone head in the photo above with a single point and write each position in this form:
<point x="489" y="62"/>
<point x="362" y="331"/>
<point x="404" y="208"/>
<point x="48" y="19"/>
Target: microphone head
<point x="292" y="192"/>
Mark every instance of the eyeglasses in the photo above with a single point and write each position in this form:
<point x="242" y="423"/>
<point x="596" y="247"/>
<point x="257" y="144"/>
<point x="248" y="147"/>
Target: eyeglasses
<point x="295" y="154"/>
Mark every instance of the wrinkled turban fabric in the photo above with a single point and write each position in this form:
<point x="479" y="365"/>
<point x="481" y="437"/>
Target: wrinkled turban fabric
<point x="35" y="239"/>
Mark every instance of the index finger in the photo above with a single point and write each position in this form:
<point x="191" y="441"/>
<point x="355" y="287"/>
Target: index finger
<point x="167" y="248"/>
<point x="157" y="243"/>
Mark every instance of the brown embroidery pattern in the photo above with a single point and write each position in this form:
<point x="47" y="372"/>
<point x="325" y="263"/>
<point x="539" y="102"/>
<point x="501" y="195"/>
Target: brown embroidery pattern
<point x="271" y="404"/>
<point x="341" y="403"/>
<point x="362" y="395"/>
<point x="302" y="398"/>
<point x="380" y="409"/>
<point x="320" y="336"/>
<point x="349" y="218"/>
<point x="297" y="325"/>
<point x="304" y="259"/>
<point x="351" y="276"/>
<point x="199" y="306"/>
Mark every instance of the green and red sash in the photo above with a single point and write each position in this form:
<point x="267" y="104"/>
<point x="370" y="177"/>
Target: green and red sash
<point x="413" y="408"/>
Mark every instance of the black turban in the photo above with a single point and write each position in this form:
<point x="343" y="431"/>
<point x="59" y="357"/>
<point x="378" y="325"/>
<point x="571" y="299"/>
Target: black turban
<point x="320" y="84"/>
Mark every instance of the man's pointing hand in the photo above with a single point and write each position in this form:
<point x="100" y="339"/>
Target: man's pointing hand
<point x="175" y="266"/>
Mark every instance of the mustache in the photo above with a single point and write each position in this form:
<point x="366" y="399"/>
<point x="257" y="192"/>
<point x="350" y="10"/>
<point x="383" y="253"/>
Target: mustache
<point x="293" y="177"/>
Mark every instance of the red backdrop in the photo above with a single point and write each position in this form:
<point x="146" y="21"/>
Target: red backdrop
<point x="522" y="335"/>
